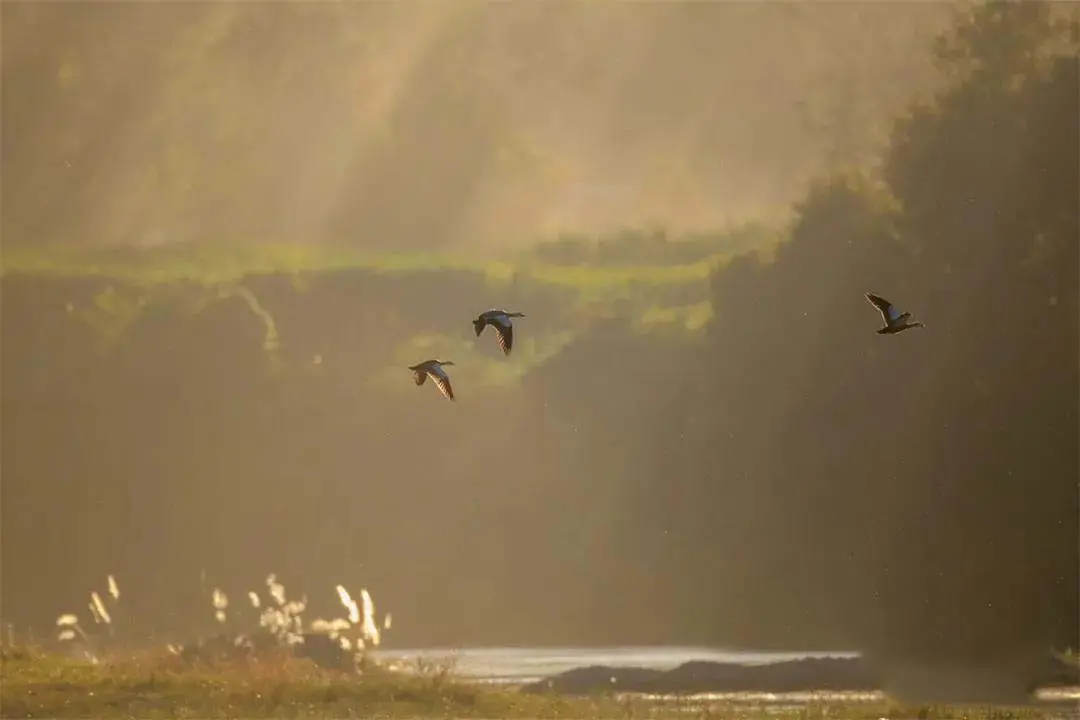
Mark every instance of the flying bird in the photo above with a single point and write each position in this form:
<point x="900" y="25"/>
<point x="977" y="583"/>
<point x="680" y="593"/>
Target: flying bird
<point x="895" y="321"/>
<point x="434" y="370"/>
<point x="504" y="327"/>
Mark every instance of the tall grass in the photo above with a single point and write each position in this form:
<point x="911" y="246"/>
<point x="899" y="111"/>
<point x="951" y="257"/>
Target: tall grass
<point x="276" y="620"/>
<point x="267" y="662"/>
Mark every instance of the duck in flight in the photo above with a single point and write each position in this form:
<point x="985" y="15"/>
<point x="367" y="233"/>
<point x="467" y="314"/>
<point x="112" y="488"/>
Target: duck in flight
<point x="434" y="370"/>
<point x="504" y="327"/>
<point x="895" y="321"/>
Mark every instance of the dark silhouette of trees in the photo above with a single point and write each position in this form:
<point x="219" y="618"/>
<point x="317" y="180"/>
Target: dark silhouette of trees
<point x="912" y="494"/>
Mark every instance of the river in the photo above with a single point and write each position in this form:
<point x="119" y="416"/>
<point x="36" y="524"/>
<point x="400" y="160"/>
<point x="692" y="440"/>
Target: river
<point x="527" y="664"/>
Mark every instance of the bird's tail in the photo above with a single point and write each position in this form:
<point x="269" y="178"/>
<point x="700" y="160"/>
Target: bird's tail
<point x="478" y="326"/>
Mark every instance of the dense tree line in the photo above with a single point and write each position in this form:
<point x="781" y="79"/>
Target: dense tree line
<point x="907" y="494"/>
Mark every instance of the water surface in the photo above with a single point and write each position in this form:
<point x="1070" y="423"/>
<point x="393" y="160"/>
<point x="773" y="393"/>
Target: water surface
<point x="528" y="664"/>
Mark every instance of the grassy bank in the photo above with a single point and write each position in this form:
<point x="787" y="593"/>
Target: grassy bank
<point x="276" y="684"/>
<point x="273" y="685"/>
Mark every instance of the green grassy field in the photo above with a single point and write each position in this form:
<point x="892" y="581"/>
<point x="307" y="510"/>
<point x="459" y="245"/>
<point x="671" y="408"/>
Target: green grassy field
<point x="275" y="684"/>
<point x="161" y="685"/>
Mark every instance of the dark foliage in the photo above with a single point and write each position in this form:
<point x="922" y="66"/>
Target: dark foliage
<point x="914" y="494"/>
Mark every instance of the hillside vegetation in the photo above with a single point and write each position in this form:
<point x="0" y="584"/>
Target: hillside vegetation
<point x="661" y="282"/>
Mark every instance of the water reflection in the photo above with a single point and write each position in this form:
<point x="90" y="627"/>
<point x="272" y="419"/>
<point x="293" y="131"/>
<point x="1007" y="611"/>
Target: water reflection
<point x="527" y="664"/>
<point x="514" y="665"/>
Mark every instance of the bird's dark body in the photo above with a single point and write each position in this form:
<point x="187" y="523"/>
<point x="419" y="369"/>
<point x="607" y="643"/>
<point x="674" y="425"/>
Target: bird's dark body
<point x="433" y="368"/>
<point x="499" y="320"/>
<point x="894" y="320"/>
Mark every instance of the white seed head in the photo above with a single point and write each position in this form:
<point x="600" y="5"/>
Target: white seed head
<point x="114" y="589"/>
<point x="369" y="628"/>
<point x="220" y="599"/>
<point x="100" y="606"/>
<point x="349" y="603"/>
<point x="277" y="590"/>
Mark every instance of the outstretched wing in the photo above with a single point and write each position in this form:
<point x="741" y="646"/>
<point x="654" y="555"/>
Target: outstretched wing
<point x="442" y="381"/>
<point x="505" y="335"/>
<point x="888" y="312"/>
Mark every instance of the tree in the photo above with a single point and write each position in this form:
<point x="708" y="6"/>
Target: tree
<point x="917" y="497"/>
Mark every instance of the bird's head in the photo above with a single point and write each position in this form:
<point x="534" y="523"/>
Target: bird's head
<point x="445" y="363"/>
<point x="515" y="314"/>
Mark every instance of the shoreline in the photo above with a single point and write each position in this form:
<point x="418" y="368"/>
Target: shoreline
<point x="227" y="681"/>
<point x="695" y="672"/>
<point x="1057" y="681"/>
<point x="744" y="676"/>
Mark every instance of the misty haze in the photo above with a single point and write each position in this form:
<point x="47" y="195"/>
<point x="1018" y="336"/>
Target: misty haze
<point x="228" y="229"/>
